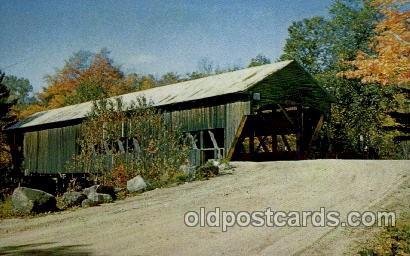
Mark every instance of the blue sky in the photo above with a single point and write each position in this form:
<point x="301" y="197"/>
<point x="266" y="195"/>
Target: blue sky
<point x="145" y="36"/>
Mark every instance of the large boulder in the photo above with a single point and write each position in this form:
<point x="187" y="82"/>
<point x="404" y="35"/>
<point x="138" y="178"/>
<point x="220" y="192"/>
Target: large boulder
<point x="88" y="203"/>
<point x="100" y="189"/>
<point x="136" y="184"/>
<point x="71" y="199"/>
<point x="27" y="200"/>
<point x="94" y="199"/>
<point x="90" y="190"/>
<point x="100" y="198"/>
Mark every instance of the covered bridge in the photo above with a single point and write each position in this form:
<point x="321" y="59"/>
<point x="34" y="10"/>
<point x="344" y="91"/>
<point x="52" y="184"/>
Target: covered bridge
<point x="260" y="113"/>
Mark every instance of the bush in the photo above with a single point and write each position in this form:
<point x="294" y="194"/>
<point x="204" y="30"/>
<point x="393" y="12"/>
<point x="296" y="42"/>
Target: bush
<point x="118" y="143"/>
<point x="392" y="240"/>
<point x="6" y="208"/>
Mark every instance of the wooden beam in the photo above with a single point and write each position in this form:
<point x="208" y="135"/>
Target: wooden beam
<point x="216" y="148"/>
<point x="286" y="142"/>
<point x="274" y="143"/>
<point x="317" y="129"/>
<point x="238" y="133"/>
<point x="193" y="140"/>
<point x="286" y="115"/>
<point x="299" y="134"/>
<point x="262" y="143"/>
<point x="211" y="134"/>
<point x="201" y="139"/>
<point x="251" y="139"/>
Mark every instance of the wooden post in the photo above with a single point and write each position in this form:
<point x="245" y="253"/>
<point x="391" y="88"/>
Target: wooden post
<point x="274" y="143"/>
<point x="215" y="144"/>
<point x="299" y="133"/>
<point x="286" y="115"/>
<point x="263" y="143"/>
<point x="286" y="142"/>
<point x="251" y="138"/>
<point x="201" y="145"/>
<point x="317" y="129"/>
<point x="236" y="141"/>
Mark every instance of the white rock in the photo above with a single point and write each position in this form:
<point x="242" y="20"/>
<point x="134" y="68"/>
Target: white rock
<point x="136" y="184"/>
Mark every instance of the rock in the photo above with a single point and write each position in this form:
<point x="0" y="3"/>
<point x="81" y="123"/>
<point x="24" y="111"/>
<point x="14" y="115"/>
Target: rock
<point x="119" y="190"/>
<point x="100" y="198"/>
<point x="208" y="170"/>
<point x="88" y="203"/>
<point x="71" y="199"/>
<point x="27" y="200"/>
<point x="225" y="167"/>
<point x="136" y="184"/>
<point x="104" y="189"/>
<point x="100" y="189"/>
<point x="94" y="199"/>
<point x="214" y="162"/>
<point x="90" y="190"/>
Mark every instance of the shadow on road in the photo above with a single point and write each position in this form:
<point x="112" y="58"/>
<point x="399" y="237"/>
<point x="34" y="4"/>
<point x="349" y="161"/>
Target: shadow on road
<point x="46" y="250"/>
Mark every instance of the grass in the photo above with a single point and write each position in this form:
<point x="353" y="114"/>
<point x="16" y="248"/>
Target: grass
<point x="391" y="240"/>
<point x="6" y="209"/>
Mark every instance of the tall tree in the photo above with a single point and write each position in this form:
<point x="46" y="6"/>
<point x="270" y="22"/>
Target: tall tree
<point x="5" y="118"/>
<point x="389" y="61"/>
<point x="20" y="88"/>
<point x="308" y="44"/>
<point x="169" y="78"/>
<point x="322" y="46"/>
<point x="206" y="66"/>
<point x="85" y="76"/>
<point x="260" y="59"/>
<point x="389" y="65"/>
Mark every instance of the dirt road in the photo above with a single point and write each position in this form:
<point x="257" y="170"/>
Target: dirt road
<point x="152" y="223"/>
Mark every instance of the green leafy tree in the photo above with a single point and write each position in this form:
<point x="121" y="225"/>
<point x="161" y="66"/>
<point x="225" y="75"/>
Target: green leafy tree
<point x="5" y="118"/>
<point x="322" y="46"/>
<point x="259" y="60"/>
<point x="169" y="78"/>
<point x="308" y="44"/>
<point x="20" y="89"/>
<point x="142" y="82"/>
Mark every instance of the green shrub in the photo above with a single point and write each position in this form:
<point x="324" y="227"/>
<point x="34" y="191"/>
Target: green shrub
<point x="392" y="240"/>
<point x="118" y="143"/>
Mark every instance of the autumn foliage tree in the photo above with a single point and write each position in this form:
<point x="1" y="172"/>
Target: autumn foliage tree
<point x="389" y="62"/>
<point x="85" y="76"/>
<point x="329" y="46"/>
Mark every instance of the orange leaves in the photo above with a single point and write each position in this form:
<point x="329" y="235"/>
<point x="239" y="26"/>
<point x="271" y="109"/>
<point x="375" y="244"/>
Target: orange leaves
<point x="29" y="110"/>
<point x="390" y="65"/>
<point x="81" y="80"/>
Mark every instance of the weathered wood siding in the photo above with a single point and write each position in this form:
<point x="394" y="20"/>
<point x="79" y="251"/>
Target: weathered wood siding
<point x="290" y="85"/>
<point x="48" y="151"/>
<point x="226" y="116"/>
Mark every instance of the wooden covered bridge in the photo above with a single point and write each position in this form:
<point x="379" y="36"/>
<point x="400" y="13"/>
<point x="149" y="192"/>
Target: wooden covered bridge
<point x="268" y="112"/>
